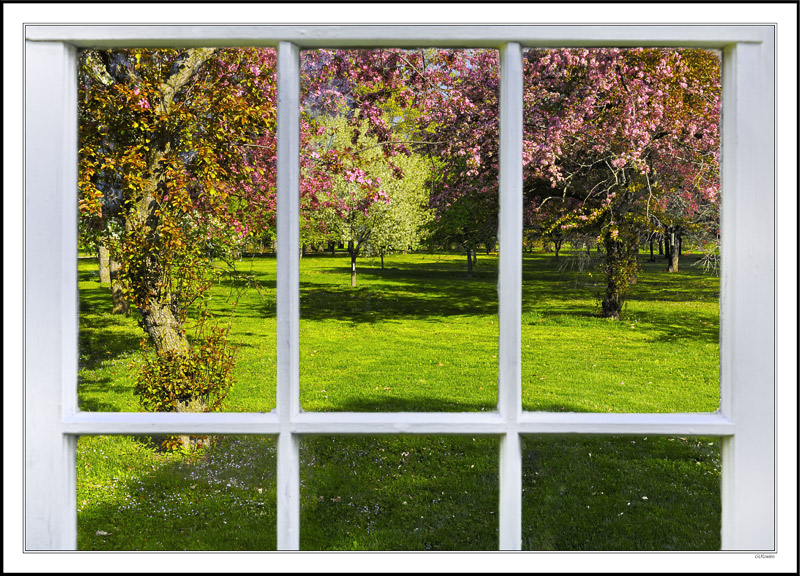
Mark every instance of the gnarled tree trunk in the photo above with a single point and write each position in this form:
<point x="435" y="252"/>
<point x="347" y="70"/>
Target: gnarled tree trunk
<point x="153" y="298"/>
<point x="557" y="246"/>
<point x="620" y="269"/>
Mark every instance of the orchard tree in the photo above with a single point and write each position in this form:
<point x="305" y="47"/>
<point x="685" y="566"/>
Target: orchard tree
<point x="461" y="111"/>
<point x="400" y="224"/>
<point x="369" y="203"/>
<point x="167" y="173"/>
<point x="620" y="133"/>
<point x="363" y="142"/>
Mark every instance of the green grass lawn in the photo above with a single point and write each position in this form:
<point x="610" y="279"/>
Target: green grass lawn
<point x="419" y="335"/>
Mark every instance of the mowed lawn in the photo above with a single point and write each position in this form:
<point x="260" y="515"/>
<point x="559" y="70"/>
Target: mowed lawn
<point x="419" y="335"/>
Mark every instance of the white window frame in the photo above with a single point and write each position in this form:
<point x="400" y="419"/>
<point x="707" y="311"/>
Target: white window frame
<point x="745" y="420"/>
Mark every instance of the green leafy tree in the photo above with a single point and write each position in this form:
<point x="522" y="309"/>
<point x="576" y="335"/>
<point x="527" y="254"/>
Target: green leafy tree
<point x="370" y="203"/>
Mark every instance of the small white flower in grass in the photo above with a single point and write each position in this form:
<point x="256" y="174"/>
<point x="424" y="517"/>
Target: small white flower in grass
<point x="644" y="497"/>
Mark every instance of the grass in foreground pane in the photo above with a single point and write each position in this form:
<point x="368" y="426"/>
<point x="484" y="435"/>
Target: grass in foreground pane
<point x="398" y="493"/>
<point x="621" y="493"/>
<point x="132" y="496"/>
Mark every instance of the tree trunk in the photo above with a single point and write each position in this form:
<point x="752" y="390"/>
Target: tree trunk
<point x="672" y="254"/>
<point x="381" y="259"/>
<point x="103" y="264"/>
<point x="620" y="270"/>
<point x="680" y="244"/>
<point x="351" y="249"/>
<point x="165" y="331"/>
<point x="667" y="247"/>
<point x="470" y="263"/>
<point x="660" y="245"/>
<point x="332" y="246"/>
<point x="557" y="247"/>
<point x="149" y="284"/>
<point x="652" y="256"/>
<point x="119" y="301"/>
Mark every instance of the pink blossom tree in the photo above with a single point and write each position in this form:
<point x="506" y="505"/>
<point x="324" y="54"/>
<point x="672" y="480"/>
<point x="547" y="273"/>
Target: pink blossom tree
<point x="619" y="135"/>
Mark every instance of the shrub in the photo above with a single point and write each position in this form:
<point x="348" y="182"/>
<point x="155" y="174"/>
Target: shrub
<point x="193" y="381"/>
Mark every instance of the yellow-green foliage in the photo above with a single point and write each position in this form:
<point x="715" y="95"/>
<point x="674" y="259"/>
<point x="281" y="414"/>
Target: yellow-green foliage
<point x="200" y="378"/>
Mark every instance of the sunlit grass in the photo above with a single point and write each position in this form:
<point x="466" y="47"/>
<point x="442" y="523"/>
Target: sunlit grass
<point x="419" y="335"/>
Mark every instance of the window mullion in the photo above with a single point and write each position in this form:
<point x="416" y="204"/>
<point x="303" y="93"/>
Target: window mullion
<point x="288" y="293"/>
<point x="50" y="293"/>
<point x="510" y="294"/>
<point x="747" y="307"/>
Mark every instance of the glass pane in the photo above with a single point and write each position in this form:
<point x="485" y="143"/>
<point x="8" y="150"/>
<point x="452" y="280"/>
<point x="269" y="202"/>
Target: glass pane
<point x="398" y="194"/>
<point x="398" y="493"/>
<point x="621" y="493"/>
<point x="176" y="231"/>
<point x="621" y="245"/>
<point x="134" y="493"/>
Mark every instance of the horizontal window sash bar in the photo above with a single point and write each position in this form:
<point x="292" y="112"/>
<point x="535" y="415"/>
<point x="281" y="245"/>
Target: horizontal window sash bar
<point x="399" y="423"/>
<point x="483" y="423"/>
<point x="378" y="36"/>
<point x="101" y="423"/>
<point x="688" y="424"/>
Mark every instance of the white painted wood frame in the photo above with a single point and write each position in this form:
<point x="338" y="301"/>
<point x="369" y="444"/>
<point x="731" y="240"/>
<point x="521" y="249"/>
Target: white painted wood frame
<point x="746" y="419"/>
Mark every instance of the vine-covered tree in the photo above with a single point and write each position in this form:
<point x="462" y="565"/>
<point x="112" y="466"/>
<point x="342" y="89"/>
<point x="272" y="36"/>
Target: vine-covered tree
<point x="164" y="177"/>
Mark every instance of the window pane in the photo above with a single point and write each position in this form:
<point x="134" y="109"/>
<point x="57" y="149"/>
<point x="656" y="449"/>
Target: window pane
<point x="621" y="493"/>
<point x="621" y="243"/>
<point x="177" y="228"/>
<point x="398" y="226"/>
<point x="135" y="494"/>
<point x="398" y="493"/>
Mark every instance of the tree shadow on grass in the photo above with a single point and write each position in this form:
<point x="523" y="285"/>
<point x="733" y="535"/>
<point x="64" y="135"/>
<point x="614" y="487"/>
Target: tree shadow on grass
<point x="399" y="492"/>
<point x="424" y="290"/>
<point x="415" y="404"/>
<point x="368" y="304"/>
<point x="644" y="493"/>
<point x="222" y="498"/>
<point x="99" y="386"/>
<point x="671" y="326"/>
